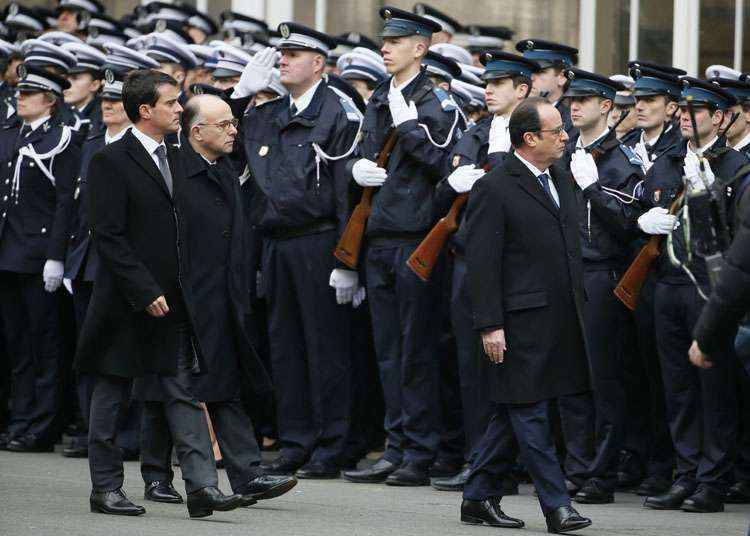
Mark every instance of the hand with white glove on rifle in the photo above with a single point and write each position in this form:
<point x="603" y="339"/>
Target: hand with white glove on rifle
<point x="583" y="168"/>
<point x="257" y="74"/>
<point x="366" y="173"/>
<point x="463" y="178"/>
<point x="499" y="135"/>
<point x="657" y="221"/>
<point x="400" y="111"/>
<point x="692" y="172"/>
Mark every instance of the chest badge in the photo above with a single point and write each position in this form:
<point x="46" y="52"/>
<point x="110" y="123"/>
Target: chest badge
<point x="77" y="193"/>
<point x="263" y="151"/>
<point x="456" y="160"/>
<point x="657" y="195"/>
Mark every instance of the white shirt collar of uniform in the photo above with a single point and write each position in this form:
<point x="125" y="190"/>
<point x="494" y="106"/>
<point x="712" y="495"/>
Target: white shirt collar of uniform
<point x="534" y="170"/>
<point x="744" y="142"/>
<point x="402" y="86"/>
<point x="579" y="141"/>
<point x="149" y="143"/>
<point x="38" y="122"/>
<point x="703" y="149"/>
<point x="304" y="100"/>
<point x="650" y="142"/>
<point x="208" y="161"/>
<point x="111" y="139"/>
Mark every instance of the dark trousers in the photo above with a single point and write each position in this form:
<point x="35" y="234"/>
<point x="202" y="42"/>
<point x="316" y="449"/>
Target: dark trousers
<point x="179" y="420"/>
<point x="309" y="337"/>
<point x="405" y="325"/>
<point x="472" y="363"/>
<point x="701" y="404"/>
<point x="530" y="423"/>
<point x="742" y="463"/>
<point x="605" y="319"/>
<point x="577" y="425"/>
<point x="647" y="434"/>
<point x="234" y="433"/>
<point x="29" y="317"/>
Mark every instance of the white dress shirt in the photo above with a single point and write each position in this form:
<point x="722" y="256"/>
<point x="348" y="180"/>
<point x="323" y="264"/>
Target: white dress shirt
<point x="402" y="86"/>
<point x="111" y="139"/>
<point x="744" y="142"/>
<point x="536" y="173"/>
<point x="36" y="123"/>
<point x="149" y="143"/>
<point x="304" y="100"/>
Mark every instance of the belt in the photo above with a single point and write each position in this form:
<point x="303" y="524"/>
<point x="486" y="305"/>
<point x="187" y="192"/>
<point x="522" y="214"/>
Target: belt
<point x="396" y="239"/>
<point x="303" y="230"/>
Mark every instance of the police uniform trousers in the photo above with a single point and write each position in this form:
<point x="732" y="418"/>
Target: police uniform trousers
<point x="530" y="424"/>
<point x="405" y="319"/>
<point x="472" y="363"/>
<point x="647" y="434"/>
<point x="742" y="463"/>
<point x="309" y="337"/>
<point x="128" y="436"/>
<point x="701" y="404"/>
<point x="30" y="320"/>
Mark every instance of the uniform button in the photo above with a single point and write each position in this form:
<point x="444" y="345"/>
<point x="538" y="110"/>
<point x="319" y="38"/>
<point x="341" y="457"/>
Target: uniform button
<point x="226" y="233"/>
<point x="7" y="181"/>
<point x="31" y="164"/>
<point x="44" y="230"/>
<point x="3" y="214"/>
<point x="72" y="236"/>
<point x="5" y="198"/>
<point x="10" y="164"/>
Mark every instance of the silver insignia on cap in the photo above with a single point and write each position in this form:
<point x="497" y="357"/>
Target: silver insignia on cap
<point x="198" y="90"/>
<point x="529" y="45"/>
<point x="387" y="14"/>
<point x="109" y="76"/>
<point x="570" y="74"/>
<point x="284" y="29"/>
<point x="419" y="9"/>
<point x="13" y="10"/>
<point x="161" y="25"/>
<point x="21" y="70"/>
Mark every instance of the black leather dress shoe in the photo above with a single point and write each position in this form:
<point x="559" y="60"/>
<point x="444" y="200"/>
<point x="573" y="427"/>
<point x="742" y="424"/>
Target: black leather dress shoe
<point x="444" y="469"/>
<point x="76" y="450"/>
<point x="162" y="492"/>
<point x="593" y="492"/>
<point x="115" y="503"/>
<point x="565" y="519"/>
<point x="318" y="471"/>
<point x="4" y="440"/>
<point x="377" y="473"/>
<point x="629" y="471"/>
<point x="409" y="474"/>
<point x="738" y="494"/>
<point x="29" y="443"/>
<point x="281" y="466"/>
<point x="671" y="500"/>
<point x="487" y="512"/>
<point x="203" y="502"/>
<point x="653" y="485"/>
<point x="704" y="501"/>
<point x="455" y="483"/>
<point x="267" y="487"/>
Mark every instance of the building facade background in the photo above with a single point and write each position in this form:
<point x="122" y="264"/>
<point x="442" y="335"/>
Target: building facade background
<point x="690" y="34"/>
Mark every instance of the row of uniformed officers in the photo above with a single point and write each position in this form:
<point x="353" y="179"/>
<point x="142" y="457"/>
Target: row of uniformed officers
<point x="254" y="270"/>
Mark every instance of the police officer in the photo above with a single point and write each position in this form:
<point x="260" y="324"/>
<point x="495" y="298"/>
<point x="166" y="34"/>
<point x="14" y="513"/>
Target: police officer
<point x="738" y="133"/>
<point x="700" y="403"/>
<point x="363" y="69"/>
<point x="448" y="25"/>
<point x="11" y="58"/>
<point x="550" y="80"/>
<point x="198" y="25"/>
<point x="656" y="91"/>
<point x="175" y="58"/>
<point x="296" y="149"/>
<point x="607" y="223"/>
<point x="405" y="310"/>
<point x="73" y="16"/>
<point x="508" y="78"/>
<point x="85" y="84"/>
<point x="483" y="38"/>
<point x="40" y="166"/>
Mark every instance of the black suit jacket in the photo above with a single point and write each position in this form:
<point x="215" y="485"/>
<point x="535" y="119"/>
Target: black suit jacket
<point x="138" y="234"/>
<point x="525" y="274"/>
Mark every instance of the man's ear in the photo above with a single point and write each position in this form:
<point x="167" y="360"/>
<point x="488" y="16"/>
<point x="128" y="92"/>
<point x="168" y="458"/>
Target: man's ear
<point x="671" y="108"/>
<point x="529" y="139"/>
<point x="144" y="111"/>
<point x="605" y="106"/>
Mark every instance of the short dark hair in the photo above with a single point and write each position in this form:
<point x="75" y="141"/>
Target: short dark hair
<point x="142" y="87"/>
<point x="525" y="118"/>
<point x="520" y="79"/>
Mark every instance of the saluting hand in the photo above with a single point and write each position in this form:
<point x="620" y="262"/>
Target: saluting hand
<point x="159" y="308"/>
<point x="494" y="345"/>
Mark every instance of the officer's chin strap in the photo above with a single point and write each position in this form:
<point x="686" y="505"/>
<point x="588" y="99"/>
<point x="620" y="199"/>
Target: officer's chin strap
<point x="28" y="151"/>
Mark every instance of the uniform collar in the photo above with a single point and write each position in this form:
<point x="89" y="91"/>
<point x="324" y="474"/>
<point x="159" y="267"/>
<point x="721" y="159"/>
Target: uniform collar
<point x="743" y="143"/>
<point x="304" y="100"/>
<point x="37" y="122"/>
<point x="706" y="147"/>
<point x="579" y="141"/>
<point x="404" y="85"/>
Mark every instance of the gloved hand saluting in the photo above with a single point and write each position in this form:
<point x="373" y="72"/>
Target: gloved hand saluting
<point x="657" y="221"/>
<point x="583" y="168"/>
<point x="367" y="173"/>
<point x="400" y="111"/>
<point x="257" y="74"/>
<point x="463" y="178"/>
<point x="692" y="171"/>
<point x="499" y="135"/>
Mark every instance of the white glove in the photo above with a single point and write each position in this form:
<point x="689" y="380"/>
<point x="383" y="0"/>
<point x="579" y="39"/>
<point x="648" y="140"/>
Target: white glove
<point x="692" y="172"/>
<point x="52" y="275"/>
<point x="583" y="168"/>
<point x="499" y="135"/>
<point x="657" y="221"/>
<point x="464" y="177"/>
<point x="367" y="173"/>
<point x="642" y="152"/>
<point x="345" y="282"/>
<point x="68" y="284"/>
<point x="257" y="74"/>
<point x="359" y="297"/>
<point x="400" y="111"/>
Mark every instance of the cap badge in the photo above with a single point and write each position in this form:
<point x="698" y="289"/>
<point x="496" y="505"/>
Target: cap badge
<point x="263" y="151"/>
<point x="21" y="70"/>
<point x="109" y="76"/>
<point x="160" y="26"/>
<point x="13" y="10"/>
<point x="284" y="29"/>
<point x="387" y="14"/>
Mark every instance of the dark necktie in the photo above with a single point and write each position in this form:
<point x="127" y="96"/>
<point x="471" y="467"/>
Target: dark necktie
<point x="161" y="153"/>
<point x="544" y="181"/>
<point x="293" y="110"/>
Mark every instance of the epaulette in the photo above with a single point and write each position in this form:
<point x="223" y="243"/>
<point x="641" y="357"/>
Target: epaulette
<point x="352" y="113"/>
<point x="631" y="155"/>
<point x="446" y="100"/>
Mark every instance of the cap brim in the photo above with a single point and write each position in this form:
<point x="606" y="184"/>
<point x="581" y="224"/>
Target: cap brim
<point x="649" y="93"/>
<point x="395" y="32"/>
<point x="497" y="76"/>
<point x="581" y="93"/>
<point x="225" y="73"/>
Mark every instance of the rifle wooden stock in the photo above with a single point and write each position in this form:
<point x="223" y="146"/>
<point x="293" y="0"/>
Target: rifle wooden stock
<point x="350" y="244"/>
<point x="424" y="258"/>
<point x="631" y="283"/>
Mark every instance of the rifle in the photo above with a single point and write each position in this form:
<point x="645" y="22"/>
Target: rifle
<point x="609" y="141"/>
<point x="349" y="245"/>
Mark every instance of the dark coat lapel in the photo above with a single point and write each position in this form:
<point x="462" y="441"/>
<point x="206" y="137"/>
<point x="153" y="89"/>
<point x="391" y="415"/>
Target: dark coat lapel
<point x="530" y="184"/>
<point x="138" y="152"/>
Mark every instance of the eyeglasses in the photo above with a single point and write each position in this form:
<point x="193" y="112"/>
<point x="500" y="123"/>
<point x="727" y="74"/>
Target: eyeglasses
<point x="221" y="125"/>
<point x="555" y="131"/>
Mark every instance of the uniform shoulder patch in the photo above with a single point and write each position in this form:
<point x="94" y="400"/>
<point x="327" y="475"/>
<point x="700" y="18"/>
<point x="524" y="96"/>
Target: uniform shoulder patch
<point x="351" y="110"/>
<point x="446" y="100"/>
<point x="631" y="155"/>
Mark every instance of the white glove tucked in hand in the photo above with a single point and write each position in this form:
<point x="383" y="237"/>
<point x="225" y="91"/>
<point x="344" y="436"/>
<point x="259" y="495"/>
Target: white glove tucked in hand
<point x="400" y="111"/>
<point x="366" y="173"/>
<point x="583" y="168"/>
<point x="464" y="177"/>
<point x="499" y="135"/>
<point x="257" y="74"/>
<point x="657" y="221"/>
<point x="346" y="283"/>
<point x="692" y="171"/>
<point x="52" y="275"/>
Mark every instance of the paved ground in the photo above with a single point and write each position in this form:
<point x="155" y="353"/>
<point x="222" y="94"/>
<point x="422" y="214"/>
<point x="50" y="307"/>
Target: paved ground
<point x="45" y="494"/>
